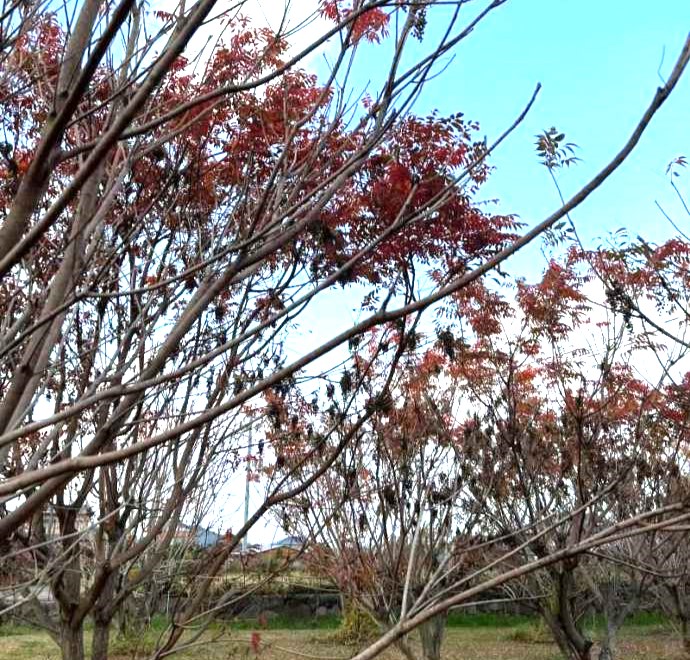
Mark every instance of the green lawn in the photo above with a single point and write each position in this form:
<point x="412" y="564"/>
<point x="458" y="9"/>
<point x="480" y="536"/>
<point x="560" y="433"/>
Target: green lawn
<point x="477" y="637"/>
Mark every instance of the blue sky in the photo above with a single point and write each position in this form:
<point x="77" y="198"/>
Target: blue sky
<point x="599" y="64"/>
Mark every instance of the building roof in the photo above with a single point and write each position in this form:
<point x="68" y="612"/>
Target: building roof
<point x="289" y="542"/>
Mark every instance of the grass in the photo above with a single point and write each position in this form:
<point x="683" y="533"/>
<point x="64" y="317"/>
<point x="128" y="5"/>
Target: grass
<point x="281" y="622"/>
<point x="469" y="637"/>
<point x="13" y="629"/>
<point x="487" y="620"/>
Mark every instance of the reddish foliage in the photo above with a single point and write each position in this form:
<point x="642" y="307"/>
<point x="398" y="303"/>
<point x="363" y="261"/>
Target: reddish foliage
<point x="371" y="25"/>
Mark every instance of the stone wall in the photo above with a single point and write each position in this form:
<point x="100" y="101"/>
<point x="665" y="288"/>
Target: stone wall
<point x="297" y="605"/>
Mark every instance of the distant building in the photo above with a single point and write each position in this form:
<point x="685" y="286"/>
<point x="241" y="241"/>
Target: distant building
<point x="286" y="550"/>
<point x="200" y="537"/>
<point x="291" y="542"/>
<point x="51" y="524"/>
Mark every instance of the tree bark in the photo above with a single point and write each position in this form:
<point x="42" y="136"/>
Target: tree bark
<point x="559" y="635"/>
<point x="66" y="586"/>
<point x="572" y="643"/>
<point x="606" y="652"/>
<point x="405" y="649"/>
<point x="72" y="643"/>
<point x="101" y="639"/>
<point x="580" y="645"/>
<point x="615" y="617"/>
<point x="431" y="633"/>
<point x="685" y="633"/>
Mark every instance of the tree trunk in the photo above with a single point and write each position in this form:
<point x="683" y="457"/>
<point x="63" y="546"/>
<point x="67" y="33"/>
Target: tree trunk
<point x="608" y="644"/>
<point x="404" y="648"/>
<point x="556" y="631"/>
<point x="606" y="653"/>
<point x="584" y="653"/>
<point x="580" y="644"/>
<point x="103" y="613"/>
<point x="66" y="588"/>
<point x="685" y="632"/>
<point x="72" y="643"/>
<point x="431" y="633"/>
<point x="101" y="639"/>
<point x="572" y="644"/>
<point x="614" y="621"/>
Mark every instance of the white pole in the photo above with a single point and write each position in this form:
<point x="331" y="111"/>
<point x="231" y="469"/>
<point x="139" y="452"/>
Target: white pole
<point x="245" y="540"/>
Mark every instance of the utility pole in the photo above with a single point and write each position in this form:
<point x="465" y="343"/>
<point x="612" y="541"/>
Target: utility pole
<point x="245" y="540"/>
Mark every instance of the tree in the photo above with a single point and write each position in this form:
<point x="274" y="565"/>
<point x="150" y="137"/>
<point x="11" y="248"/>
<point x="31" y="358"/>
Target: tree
<point x="166" y="219"/>
<point x="646" y="283"/>
<point x="505" y="447"/>
<point x="569" y="419"/>
<point x="161" y="231"/>
<point x="668" y="563"/>
<point x="390" y="522"/>
<point x="96" y="571"/>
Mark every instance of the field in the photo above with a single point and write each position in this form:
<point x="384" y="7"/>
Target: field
<point x="468" y="638"/>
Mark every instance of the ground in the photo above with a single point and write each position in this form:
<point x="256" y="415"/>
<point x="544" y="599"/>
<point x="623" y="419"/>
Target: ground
<point x="481" y="640"/>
